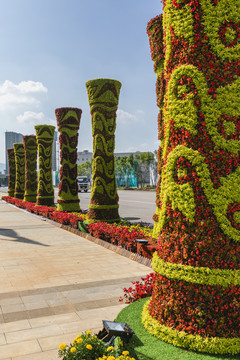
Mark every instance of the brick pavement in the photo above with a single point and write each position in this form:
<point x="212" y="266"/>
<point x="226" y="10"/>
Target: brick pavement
<point x="54" y="285"/>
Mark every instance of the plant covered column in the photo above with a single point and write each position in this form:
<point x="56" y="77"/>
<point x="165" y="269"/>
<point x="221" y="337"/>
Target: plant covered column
<point x="12" y="172"/>
<point x="103" y="97"/>
<point x="20" y="170"/>
<point x="30" y="147"/>
<point x="68" y="121"/>
<point x="196" y="295"/>
<point x="45" y="192"/>
<point x="155" y="34"/>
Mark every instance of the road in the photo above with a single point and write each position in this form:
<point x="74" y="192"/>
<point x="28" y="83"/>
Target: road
<point x="135" y="205"/>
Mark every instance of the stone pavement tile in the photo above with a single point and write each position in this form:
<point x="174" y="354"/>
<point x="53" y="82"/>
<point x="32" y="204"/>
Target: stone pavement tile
<point x="55" y="319"/>
<point x="11" y="308"/>
<point x="11" y="300"/>
<point x="36" y="313"/>
<point x="36" y="305"/>
<point x="57" y="302"/>
<point x="53" y="342"/>
<point x="2" y="339"/>
<point x="26" y="299"/>
<point x="19" y="349"/>
<point x="36" y="333"/>
<point x="46" y="355"/>
<point x="62" y="309"/>
<point x="104" y="313"/>
<point x="14" y="316"/>
<point x="81" y="326"/>
<point x="15" y="326"/>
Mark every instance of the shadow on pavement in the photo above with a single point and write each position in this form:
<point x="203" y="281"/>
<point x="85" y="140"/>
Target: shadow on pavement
<point x="13" y="234"/>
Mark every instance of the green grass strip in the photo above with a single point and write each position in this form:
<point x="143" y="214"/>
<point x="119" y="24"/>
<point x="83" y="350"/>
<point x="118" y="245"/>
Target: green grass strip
<point x="144" y="346"/>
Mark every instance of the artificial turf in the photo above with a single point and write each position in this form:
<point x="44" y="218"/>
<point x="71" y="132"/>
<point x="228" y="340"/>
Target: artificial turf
<point x="144" y="346"/>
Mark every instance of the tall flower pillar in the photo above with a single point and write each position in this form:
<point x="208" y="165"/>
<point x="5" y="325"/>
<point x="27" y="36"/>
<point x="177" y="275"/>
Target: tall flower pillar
<point x="103" y="97"/>
<point x="20" y="170"/>
<point x="68" y="121"/>
<point x="30" y="148"/>
<point x="45" y="192"/>
<point x="196" y="294"/>
<point x="12" y="172"/>
<point x="155" y="34"/>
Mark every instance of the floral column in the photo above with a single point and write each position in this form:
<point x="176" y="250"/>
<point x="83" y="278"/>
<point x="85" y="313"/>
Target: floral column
<point x="12" y="172"/>
<point x="68" y="121"/>
<point x="30" y="147"/>
<point x="45" y="192"/>
<point x="155" y="33"/>
<point x="20" y="170"/>
<point x="103" y="97"/>
<point x="196" y="294"/>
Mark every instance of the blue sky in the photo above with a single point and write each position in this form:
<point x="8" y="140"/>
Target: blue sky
<point x="50" y="48"/>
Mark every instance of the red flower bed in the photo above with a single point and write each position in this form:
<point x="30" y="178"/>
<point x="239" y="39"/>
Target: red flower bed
<point x="46" y="211"/>
<point x="122" y="236"/>
<point x="196" y="309"/>
<point x="140" y="290"/>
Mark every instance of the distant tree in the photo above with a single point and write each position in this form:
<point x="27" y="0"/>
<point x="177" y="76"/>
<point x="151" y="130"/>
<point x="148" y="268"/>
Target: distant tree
<point x="121" y="169"/>
<point x="132" y="167"/>
<point x="85" y="169"/>
<point x="144" y="161"/>
<point x="153" y="172"/>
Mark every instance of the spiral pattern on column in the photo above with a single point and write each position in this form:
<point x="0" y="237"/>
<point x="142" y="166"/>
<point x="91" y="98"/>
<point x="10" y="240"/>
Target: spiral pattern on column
<point x="196" y="296"/>
<point x="103" y="97"/>
<point x="20" y="170"/>
<point x="30" y="148"/>
<point x="12" y="172"/>
<point x="45" y="192"/>
<point x="68" y="121"/>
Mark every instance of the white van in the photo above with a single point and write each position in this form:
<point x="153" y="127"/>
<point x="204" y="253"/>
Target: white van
<point x="82" y="183"/>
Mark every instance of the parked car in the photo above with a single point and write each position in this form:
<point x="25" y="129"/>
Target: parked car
<point x="83" y="183"/>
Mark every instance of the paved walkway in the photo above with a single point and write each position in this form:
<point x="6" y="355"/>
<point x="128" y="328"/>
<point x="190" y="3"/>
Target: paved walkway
<point x="54" y="285"/>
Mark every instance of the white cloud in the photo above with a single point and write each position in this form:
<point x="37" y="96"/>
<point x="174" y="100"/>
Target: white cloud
<point x="139" y="111"/>
<point x="15" y="96"/>
<point x="124" y="117"/>
<point x="34" y="118"/>
<point x="30" y="117"/>
<point x="23" y="87"/>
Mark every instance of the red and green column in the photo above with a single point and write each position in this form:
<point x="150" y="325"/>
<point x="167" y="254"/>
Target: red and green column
<point x="30" y="148"/>
<point x="103" y="95"/>
<point x="196" y="294"/>
<point x="68" y="121"/>
<point x="20" y="170"/>
<point x="45" y="192"/>
<point x="12" y="172"/>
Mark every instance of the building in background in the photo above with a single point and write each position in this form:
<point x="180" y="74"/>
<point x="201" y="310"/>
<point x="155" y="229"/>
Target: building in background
<point x="11" y="138"/>
<point x="144" y="174"/>
<point x="83" y="156"/>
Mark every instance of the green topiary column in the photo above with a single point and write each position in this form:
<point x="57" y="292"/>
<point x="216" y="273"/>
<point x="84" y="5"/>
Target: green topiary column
<point x="45" y="192"/>
<point x="103" y="97"/>
<point x="12" y="172"/>
<point x="155" y="33"/>
<point x="30" y="147"/>
<point x="20" y="170"/>
<point x="196" y="294"/>
<point x="68" y="121"/>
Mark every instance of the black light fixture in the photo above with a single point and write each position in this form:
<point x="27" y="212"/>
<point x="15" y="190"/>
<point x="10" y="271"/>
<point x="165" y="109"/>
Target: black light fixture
<point x="140" y="243"/>
<point x="112" y="329"/>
